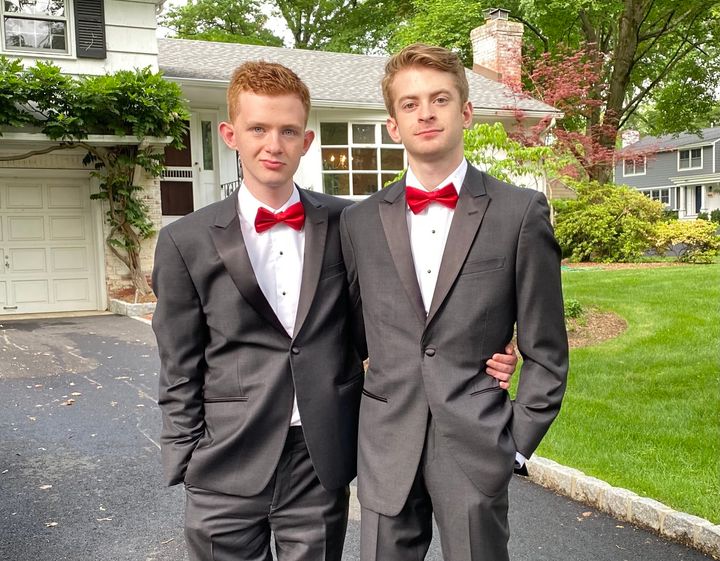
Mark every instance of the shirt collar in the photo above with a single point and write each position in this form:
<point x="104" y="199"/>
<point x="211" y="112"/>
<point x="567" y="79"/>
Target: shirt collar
<point x="248" y="205"/>
<point x="456" y="177"/>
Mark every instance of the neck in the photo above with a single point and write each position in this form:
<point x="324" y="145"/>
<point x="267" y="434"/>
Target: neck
<point x="431" y="173"/>
<point x="274" y="197"/>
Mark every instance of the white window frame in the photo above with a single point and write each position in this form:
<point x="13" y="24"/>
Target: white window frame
<point x="634" y="162"/>
<point x="377" y="145"/>
<point x="67" y="19"/>
<point x="690" y="159"/>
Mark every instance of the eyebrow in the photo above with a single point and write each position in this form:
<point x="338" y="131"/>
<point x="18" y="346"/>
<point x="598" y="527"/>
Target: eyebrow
<point x="432" y="94"/>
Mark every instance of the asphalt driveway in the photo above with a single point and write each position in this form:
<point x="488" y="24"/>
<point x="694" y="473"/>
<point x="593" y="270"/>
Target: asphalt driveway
<point x="80" y="472"/>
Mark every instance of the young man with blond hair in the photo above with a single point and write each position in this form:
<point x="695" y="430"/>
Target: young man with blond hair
<point x="447" y="262"/>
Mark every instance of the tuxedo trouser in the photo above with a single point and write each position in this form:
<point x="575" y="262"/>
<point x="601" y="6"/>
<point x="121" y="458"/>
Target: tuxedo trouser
<point x="307" y="521"/>
<point x="472" y="525"/>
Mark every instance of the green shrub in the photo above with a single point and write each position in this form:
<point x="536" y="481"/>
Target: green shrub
<point x="691" y="241"/>
<point x="715" y="216"/>
<point x="703" y="216"/>
<point x="573" y="308"/>
<point x="606" y="223"/>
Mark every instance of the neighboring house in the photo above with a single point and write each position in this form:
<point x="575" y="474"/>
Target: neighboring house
<point x="52" y="246"/>
<point x="682" y="172"/>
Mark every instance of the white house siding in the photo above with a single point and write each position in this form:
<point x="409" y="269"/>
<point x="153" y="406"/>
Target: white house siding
<point x="130" y="41"/>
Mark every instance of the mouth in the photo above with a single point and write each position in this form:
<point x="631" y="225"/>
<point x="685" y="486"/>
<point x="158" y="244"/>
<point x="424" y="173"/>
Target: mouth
<point x="272" y="164"/>
<point x="428" y="132"/>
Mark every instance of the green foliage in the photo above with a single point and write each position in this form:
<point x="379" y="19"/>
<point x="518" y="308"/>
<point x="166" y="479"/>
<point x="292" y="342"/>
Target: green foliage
<point x="606" y="223"/>
<point x="69" y="109"/>
<point x="715" y="216"/>
<point x="573" y="308"/>
<point x="228" y="21"/>
<point x="490" y="147"/>
<point x="691" y="241"/>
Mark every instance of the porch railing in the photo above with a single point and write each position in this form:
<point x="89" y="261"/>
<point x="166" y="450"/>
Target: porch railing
<point x="227" y="189"/>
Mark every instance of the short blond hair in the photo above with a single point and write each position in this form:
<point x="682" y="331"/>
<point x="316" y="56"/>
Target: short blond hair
<point x="424" y="56"/>
<point x="265" y="78"/>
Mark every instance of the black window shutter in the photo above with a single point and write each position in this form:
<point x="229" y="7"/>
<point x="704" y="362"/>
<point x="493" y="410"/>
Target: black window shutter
<point x="90" y="28"/>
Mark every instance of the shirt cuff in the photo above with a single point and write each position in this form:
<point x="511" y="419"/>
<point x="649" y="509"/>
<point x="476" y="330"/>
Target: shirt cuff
<point x="519" y="460"/>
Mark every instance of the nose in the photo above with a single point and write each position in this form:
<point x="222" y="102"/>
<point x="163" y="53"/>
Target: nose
<point x="426" y="113"/>
<point x="273" y="145"/>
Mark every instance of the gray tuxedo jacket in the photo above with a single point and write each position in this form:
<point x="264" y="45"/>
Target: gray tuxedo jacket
<point x="228" y="368"/>
<point x="500" y="268"/>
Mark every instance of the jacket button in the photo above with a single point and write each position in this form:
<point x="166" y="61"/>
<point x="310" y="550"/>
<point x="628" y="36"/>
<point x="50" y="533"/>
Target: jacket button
<point x="295" y="351"/>
<point x="430" y="351"/>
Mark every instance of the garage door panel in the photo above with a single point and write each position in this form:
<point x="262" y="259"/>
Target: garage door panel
<point x="25" y="228"/>
<point x="3" y="294"/>
<point x="24" y="196"/>
<point x="71" y="290"/>
<point x="67" y="228"/>
<point x="27" y="260"/>
<point x="67" y="196"/>
<point x="69" y="259"/>
<point x="31" y="292"/>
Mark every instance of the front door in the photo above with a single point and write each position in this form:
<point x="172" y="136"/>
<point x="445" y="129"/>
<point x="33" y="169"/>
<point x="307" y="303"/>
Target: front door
<point x="203" y="126"/>
<point x="698" y="199"/>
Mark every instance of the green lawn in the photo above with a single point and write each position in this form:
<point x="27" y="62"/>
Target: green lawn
<point x="642" y="411"/>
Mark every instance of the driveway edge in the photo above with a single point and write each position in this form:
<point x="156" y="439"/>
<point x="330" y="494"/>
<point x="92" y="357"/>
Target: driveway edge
<point x="625" y="505"/>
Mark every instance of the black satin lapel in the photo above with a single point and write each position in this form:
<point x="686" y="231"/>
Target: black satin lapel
<point x="230" y="246"/>
<point x="316" y="225"/>
<point x="398" y="238"/>
<point x="468" y="215"/>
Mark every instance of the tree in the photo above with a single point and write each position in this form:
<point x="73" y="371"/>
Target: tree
<point x="68" y="109"/>
<point x="228" y="21"/>
<point x="659" y="51"/>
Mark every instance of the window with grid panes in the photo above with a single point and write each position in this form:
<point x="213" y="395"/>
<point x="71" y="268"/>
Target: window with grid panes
<point x="358" y="158"/>
<point x="35" y="25"/>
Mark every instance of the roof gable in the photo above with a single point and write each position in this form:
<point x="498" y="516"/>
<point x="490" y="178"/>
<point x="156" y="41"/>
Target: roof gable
<point x="334" y="78"/>
<point x="670" y="142"/>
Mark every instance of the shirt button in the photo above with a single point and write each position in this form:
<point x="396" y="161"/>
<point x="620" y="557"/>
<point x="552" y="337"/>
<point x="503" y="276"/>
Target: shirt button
<point x="429" y="271"/>
<point x="281" y="253"/>
<point x="433" y="231"/>
<point x="295" y="351"/>
<point x="283" y="293"/>
<point x="430" y="351"/>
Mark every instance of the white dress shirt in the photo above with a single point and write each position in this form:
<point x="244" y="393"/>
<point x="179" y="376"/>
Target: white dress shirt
<point x="428" y="234"/>
<point x="429" y="231"/>
<point x="276" y="256"/>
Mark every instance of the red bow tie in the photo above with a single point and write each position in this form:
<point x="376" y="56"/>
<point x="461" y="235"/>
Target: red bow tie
<point x="419" y="199"/>
<point x="293" y="216"/>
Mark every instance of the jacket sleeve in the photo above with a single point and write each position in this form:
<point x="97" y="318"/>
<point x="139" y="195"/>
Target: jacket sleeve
<point x="180" y="328"/>
<point x="541" y="335"/>
<point x="356" y="316"/>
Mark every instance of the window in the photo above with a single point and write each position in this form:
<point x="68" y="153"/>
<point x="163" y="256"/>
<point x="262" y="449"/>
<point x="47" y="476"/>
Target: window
<point x="665" y="196"/>
<point x="635" y="166"/>
<point x="35" y="25"/>
<point x="358" y="158"/>
<point x="690" y="159"/>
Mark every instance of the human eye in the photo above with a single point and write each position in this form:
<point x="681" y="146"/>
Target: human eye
<point x="290" y="132"/>
<point x="442" y="100"/>
<point x="257" y="130"/>
<point x="408" y="105"/>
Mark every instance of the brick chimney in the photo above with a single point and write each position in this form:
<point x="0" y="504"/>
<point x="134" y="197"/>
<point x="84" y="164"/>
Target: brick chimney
<point x="497" y="48"/>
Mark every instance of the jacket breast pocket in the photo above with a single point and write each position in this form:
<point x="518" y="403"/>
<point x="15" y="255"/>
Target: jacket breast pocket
<point x="483" y="265"/>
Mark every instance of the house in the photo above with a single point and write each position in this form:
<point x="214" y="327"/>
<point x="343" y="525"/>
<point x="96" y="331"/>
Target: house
<point x="682" y="172"/>
<point x="52" y="235"/>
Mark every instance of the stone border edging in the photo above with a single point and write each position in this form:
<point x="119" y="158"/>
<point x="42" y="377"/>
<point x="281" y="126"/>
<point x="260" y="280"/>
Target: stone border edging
<point x="625" y="505"/>
<point x="122" y="308"/>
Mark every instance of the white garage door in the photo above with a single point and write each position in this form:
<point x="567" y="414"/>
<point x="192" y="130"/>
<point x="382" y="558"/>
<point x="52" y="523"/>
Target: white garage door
<point x="47" y="247"/>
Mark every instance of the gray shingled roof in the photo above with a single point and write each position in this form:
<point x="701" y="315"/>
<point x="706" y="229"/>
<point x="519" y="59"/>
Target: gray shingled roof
<point x="340" y="78"/>
<point x="671" y="142"/>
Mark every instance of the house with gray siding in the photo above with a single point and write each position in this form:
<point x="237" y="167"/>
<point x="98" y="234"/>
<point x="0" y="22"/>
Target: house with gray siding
<point x="682" y="172"/>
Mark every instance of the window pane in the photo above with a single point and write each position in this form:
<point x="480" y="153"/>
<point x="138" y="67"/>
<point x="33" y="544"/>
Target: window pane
<point x="387" y="177"/>
<point x="628" y="167"/>
<point x="335" y="158"/>
<point x="333" y="133"/>
<point x="363" y="134"/>
<point x="391" y="158"/>
<point x="684" y="159"/>
<point x="365" y="183"/>
<point x="386" y="136"/>
<point x="336" y="184"/>
<point x="696" y="157"/>
<point x="207" y="147"/>
<point x="36" y="7"/>
<point x="364" y="158"/>
<point x="34" y="34"/>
